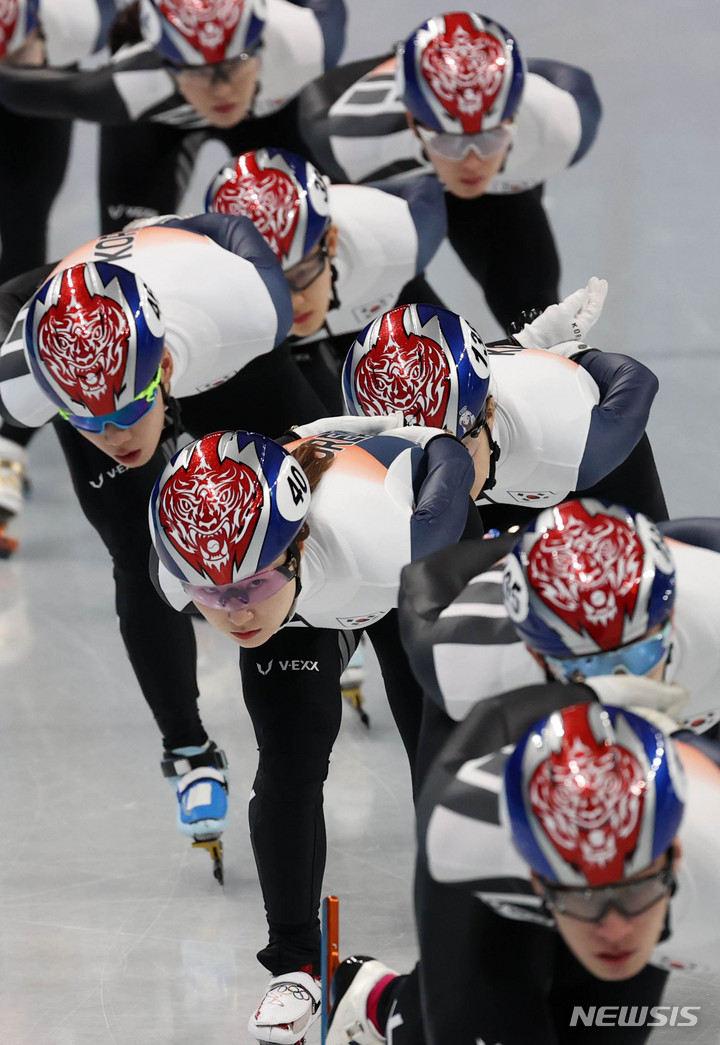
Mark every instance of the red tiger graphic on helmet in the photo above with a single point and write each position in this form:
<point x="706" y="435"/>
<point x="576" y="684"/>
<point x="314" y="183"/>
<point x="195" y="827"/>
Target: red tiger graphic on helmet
<point x="464" y="68"/>
<point x="83" y="341"/>
<point x="404" y="372"/>
<point x="209" y="511"/>
<point x="268" y="197"/>
<point x="589" y="573"/>
<point x="207" y="24"/>
<point x="8" y="20"/>
<point x="588" y="798"/>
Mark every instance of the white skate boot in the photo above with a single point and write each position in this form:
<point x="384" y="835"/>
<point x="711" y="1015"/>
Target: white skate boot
<point x="290" y="1007"/>
<point x="352" y="983"/>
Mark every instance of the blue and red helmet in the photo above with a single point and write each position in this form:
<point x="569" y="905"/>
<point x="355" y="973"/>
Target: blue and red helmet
<point x="18" y="18"/>
<point x="94" y="339"/>
<point x="424" y="360"/>
<point x="284" y="196"/>
<point x="593" y="794"/>
<point x="226" y="506"/>
<point x="586" y="577"/>
<point x="202" y="32"/>
<point x="460" y="73"/>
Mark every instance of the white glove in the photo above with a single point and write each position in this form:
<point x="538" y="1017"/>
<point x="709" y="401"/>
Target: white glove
<point x="421" y="435"/>
<point x="662" y="703"/>
<point x="145" y="223"/>
<point x="561" y="327"/>
<point x="354" y="425"/>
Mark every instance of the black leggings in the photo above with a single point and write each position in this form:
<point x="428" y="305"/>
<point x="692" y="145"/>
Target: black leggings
<point x="268" y="396"/>
<point x="145" y="167"/>
<point x="291" y="687"/>
<point x="507" y="246"/>
<point x="32" y="168"/>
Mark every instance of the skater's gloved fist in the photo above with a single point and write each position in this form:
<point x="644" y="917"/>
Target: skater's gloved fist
<point x="560" y="328"/>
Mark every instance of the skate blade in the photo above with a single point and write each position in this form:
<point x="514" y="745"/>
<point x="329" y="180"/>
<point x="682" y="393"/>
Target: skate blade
<point x="215" y="849"/>
<point x="354" y="697"/>
<point x="8" y="544"/>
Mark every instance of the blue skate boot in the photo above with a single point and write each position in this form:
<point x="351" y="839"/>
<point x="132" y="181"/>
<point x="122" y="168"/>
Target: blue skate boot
<point x="200" y="776"/>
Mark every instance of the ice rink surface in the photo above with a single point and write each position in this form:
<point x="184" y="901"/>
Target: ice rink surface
<point x="112" y="930"/>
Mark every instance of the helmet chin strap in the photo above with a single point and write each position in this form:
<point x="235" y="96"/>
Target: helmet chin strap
<point x="334" y="299"/>
<point x="173" y="415"/>
<point x="294" y="553"/>
<point x="494" y="455"/>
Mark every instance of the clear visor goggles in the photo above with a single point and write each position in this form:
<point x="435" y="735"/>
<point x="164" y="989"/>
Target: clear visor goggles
<point x="628" y="898"/>
<point x="124" y="418"/>
<point x="300" y="276"/>
<point x="212" y="72"/>
<point x="246" y="592"/>
<point x="637" y="658"/>
<point x="456" y="147"/>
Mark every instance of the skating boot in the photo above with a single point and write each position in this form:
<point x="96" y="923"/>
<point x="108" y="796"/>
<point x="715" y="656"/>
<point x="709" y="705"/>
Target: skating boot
<point x="13" y="460"/>
<point x="351" y="682"/>
<point x="352" y="985"/>
<point x="201" y="779"/>
<point x="289" y="1008"/>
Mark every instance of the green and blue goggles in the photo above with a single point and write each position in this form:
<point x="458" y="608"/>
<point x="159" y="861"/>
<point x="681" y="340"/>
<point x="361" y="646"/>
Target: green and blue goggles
<point x="637" y="658"/>
<point x="126" y="417"/>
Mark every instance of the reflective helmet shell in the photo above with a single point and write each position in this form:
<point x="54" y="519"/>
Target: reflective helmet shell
<point x="587" y="576"/>
<point x="284" y="195"/>
<point x="460" y="73"/>
<point x="201" y="32"/>
<point x="424" y="360"/>
<point x="18" y="18"/>
<point x="226" y="506"/>
<point x="593" y="794"/>
<point x="94" y="337"/>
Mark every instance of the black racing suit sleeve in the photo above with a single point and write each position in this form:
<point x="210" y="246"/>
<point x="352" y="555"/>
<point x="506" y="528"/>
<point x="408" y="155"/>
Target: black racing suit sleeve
<point x="13" y="295"/>
<point x="427" y="587"/>
<point x="15" y="292"/>
<point x="85" y="94"/>
<point x="618" y="463"/>
<point x="701" y="531"/>
<point x="441" y="505"/>
<point x="627" y="390"/>
<point x="315" y="122"/>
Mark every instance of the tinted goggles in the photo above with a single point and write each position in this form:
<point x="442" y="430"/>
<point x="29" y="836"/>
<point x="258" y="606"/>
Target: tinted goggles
<point x="300" y="276"/>
<point x="247" y="592"/>
<point x="637" y="658"/>
<point x="455" y="147"/>
<point x="628" y="898"/>
<point x="213" y="71"/>
<point x="125" y="418"/>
